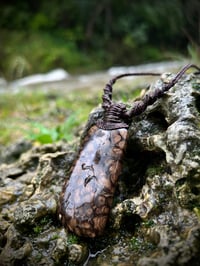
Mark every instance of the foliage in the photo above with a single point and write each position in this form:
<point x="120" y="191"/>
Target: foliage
<point x="52" y="115"/>
<point x="26" y="53"/>
<point x="43" y="116"/>
<point x="89" y="35"/>
<point x="42" y="134"/>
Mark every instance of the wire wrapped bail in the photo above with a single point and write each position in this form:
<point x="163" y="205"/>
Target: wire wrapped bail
<point x="107" y="96"/>
<point x="113" y="117"/>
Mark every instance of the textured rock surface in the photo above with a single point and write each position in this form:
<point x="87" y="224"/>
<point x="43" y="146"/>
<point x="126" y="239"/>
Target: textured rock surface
<point x="155" y="218"/>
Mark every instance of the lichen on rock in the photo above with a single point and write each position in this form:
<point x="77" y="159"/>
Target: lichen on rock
<point x="171" y="192"/>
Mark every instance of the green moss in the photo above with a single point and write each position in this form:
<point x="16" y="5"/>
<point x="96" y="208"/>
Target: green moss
<point x="72" y="239"/>
<point x="37" y="229"/>
<point x="135" y="243"/>
<point x="54" y="237"/>
<point x="42" y="225"/>
<point x="140" y="245"/>
<point x="38" y="257"/>
<point x="148" y="223"/>
<point x="154" y="169"/>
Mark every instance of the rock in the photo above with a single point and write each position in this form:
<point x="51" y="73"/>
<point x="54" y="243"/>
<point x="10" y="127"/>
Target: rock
<point x="29" y="191"/>
<point x="182" y="252"/>
<point x="151" y="67"/>
<point x="171" y="189"/>
<point x="155" y="216"/>
<point x="77" y="253"/>
<point x="12" y="153"/>
<point x="15" y="249"/>
<point x="52" y="76"/>
<point x="3" y="84"/>
<point x="27" y="213"/>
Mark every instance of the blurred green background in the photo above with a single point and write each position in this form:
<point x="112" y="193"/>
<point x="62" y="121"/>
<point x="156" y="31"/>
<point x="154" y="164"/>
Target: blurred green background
<point x="87" y="35"/>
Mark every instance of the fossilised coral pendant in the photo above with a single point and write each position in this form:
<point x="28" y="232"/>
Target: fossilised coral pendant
<point x="87" y="196"/>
